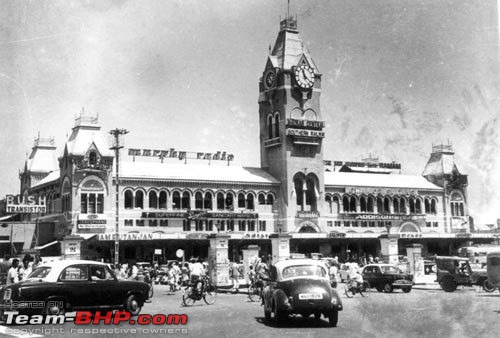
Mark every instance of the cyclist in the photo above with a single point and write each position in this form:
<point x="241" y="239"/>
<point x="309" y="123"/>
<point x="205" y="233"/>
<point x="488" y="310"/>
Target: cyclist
<point x="355" y="277"/>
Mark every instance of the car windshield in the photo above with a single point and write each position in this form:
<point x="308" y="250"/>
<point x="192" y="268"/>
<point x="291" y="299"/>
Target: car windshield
<point x="390" y="269"/>
<point x="303" y="270"/>
<point x="40" y="273"/>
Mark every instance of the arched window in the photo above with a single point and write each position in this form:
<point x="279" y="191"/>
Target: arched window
<point x="163" y="200"/>
<point x="176" y="200"/>
<point x="220" y="201"/>
<point x="395" y="206"/>
<point x="198" y="200"/>
<point x="229" y="201"/>
<point x="457" y="205"/>
<point x="418" y="206"/>
<point x="186" y="201"/>
<point x="261" y="199"/>
<point x="92" y="159"/>
<point x="153" y="200"/>
<point x="362" y="204"/>
<point x="241" y="200"/>
<point x="369" y="206"/>
<point x="352" y="204"/>
<point x="270" y="126"/>
<point x="402" y="205"/>
<point x="270" y="199"/>
<point x="380" y="205"/>
<point x="128" y="199"/>
<point x="427" y="206"/>
<point x="412" y="205"/>
<point x="328" y="200"/>
<point x="299" y="190"/>
<point x="276" y="125"/>
<point x="250" y="202"/>
<point x="139" y="199"/>
<point x="312" y="192"/>
<point x="387" y="204"/>
<point x="335" y="205"/>
<point x="207" y="202"/>
<point x="345" y="203"/>
<point x="433" y="206"/>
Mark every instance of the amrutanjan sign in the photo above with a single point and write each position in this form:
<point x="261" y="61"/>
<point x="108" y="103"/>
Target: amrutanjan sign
<point x="25" y="204"/>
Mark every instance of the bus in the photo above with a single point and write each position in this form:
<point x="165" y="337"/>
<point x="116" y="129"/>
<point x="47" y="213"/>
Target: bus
<point x="477" y="254"/>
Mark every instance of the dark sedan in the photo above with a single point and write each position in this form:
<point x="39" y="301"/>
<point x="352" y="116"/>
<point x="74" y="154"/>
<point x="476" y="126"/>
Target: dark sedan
<point x="301" y="286"/>
<point x="56" y="287"/>
<point x="386" y="277"/>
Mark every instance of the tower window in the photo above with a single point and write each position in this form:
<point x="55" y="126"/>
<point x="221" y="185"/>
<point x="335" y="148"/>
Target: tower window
<point x="270" y="127"/>
<point x="276" y="125"/>
<point x="92" y="159"/>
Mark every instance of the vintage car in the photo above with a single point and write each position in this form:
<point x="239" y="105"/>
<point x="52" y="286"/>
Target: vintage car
<point x="387" y="277"/>
<point x="300" y="286"/>
<point x="453" y="271"/>
<point x="70" y="285"/>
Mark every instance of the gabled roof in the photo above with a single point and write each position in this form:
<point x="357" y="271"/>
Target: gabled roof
<point x="50" y="178"/>
<point x="82" y="138"/>
<point x="42" y="160"/>
<point x="195" y="172"/>
<point x="378" y="181"/>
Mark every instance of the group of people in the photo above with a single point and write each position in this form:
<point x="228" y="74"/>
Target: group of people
<point x="19" y="271"/>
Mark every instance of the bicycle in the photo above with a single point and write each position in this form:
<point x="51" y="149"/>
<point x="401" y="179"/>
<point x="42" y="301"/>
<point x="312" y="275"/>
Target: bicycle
<point x="255" y="290"/>
<point x="191" y="293"/>
<point x="352" y="287"/>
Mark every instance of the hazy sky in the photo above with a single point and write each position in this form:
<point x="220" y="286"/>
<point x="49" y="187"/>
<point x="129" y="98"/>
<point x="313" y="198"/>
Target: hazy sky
<point x="398" y="76"/>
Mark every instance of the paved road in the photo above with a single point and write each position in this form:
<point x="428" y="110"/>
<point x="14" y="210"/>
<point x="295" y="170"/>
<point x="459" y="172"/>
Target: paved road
<point x="421" y="313"/>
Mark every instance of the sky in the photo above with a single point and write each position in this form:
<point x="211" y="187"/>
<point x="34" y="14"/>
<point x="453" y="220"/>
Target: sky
<point x="397" y="77"/>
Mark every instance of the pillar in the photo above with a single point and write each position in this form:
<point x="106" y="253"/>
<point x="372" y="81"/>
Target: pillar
<point x="414" y="254"/>
<point x="249" y="256"/>
<point x="389" y="248"/>
<point x="280" y="244"/>
<point x="218" y="262"/>
<point x="71" y="247"/>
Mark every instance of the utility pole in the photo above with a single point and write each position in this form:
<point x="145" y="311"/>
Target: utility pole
<point x="117" y="134"/>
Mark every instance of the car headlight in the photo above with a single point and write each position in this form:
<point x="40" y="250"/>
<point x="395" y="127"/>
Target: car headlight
<point x="334" y="300"/>
<point x="7" y="294"/>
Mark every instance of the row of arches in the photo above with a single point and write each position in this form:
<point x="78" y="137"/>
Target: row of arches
<point x="273" y="125"/>
<point x="183" y="200"/>
<point x="381" y="204"/>
<point x="306" y="191"/>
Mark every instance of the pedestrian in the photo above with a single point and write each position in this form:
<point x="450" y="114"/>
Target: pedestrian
<point x="235" y="276"/>
<point x="185" y="273"/>
<point x="333" y="274"/>
<point x="25" y="268"/>
<point x="12" y="275"/>
<point x="197" y="271"/>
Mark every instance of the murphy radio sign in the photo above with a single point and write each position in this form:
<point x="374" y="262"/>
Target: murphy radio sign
<point x="25" y="204"/>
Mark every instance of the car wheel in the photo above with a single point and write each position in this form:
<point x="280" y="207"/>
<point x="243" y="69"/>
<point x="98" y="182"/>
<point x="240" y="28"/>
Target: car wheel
<point x="407" y="289"/>
<point x="55" y="307"/>
<point x="317" y="315"/>
<point x="279" y="315"/>
<point x="133" y="305"/>
<point x="387" y="288"/>
<point x="333" y="318"/>
<point x="448" y="284"/>
<point x="488" y="287"/>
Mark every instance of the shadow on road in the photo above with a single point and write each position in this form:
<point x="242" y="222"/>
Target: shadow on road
<point x="295" y="322"/>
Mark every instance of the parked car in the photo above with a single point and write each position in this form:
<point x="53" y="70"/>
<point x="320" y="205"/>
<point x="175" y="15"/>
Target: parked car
<point x="453" y="271"/>
<point x="387" y="277"/>
<point x="72" y="285"/>
<point x="300" y="286"/>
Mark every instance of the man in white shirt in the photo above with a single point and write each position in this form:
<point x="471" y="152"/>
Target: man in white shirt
<point x="12" y="276"/>
<point x="197" y="270"/>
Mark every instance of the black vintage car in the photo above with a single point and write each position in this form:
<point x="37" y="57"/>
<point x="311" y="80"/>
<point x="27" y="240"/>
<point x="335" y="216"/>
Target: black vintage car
<point x="70" y="285"/>
<point x="300" y="286"/>
<point x="387" y="277"/>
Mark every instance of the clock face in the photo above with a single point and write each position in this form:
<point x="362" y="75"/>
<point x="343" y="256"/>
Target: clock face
<point x="270" y="78"/>
<point x="304" y="75"/>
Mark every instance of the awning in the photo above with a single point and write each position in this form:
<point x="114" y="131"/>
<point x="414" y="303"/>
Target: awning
<point x="45" y="245"/>
<point x="4" y="218"/>
<point x="86" y="236"/>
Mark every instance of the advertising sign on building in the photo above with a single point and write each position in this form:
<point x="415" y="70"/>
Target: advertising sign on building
<point x="25" y="204"/>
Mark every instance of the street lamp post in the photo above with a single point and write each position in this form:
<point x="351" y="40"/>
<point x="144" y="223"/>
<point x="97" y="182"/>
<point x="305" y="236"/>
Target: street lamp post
<point x="116" y="133"/>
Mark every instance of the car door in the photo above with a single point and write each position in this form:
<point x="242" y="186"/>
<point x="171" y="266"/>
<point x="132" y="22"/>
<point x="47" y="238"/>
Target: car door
<point x="104" y="285"/>
<point x="73" y="283"/>
<point x="369" y="274"/>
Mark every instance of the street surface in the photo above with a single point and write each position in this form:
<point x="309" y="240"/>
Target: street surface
<point x="430" y="312"/>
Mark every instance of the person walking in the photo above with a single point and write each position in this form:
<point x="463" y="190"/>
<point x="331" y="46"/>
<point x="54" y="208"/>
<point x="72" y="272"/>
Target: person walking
<point x="12" y="275"/>
<point x="235" y="276"/>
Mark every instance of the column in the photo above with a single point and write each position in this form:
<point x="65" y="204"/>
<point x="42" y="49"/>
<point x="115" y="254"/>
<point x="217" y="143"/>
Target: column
<point x="218" y="262"/>
<point x="389" y="248"/>
<point x="249" y="256"/>
<point x="280" y="244"/>
<point x="304" y="193"/>
<point x="414" y="254"/>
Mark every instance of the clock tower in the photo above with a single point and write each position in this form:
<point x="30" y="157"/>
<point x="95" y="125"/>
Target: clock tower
<point x="291" y="130"/>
